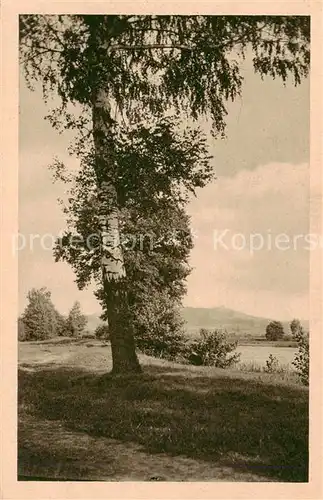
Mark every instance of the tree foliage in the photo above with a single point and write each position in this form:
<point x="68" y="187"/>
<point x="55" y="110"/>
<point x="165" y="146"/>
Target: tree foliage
<point x="154" y="228"/>
<point x="150" y="63"/>
<point x="40" y="318"/>
<point x="274" y="330"/>
<point x="272" y="364"/>
<point x="212" y="349"/>
<point x="302" y="356"/>
<point x="160" y="326"/>
<point x="76" y="321"/>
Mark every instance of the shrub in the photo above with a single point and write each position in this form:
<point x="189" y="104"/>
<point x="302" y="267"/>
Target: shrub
<point x="274" y="331"/>
<point x="302" y="356"/>
<point x="102" y="332"/>
<point x="212" y="349"/>
<point x="272" y="364"/>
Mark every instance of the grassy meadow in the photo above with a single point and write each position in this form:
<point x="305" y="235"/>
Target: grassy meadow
<point x="171" y="423"/>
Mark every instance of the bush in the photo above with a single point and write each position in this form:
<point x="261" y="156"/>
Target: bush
<point x="212" y="349"/>
<point x="272" y="364"/>
<point x="274" y="331"/>
<point x="102" y="332"/>
<point x="302" y="357"/>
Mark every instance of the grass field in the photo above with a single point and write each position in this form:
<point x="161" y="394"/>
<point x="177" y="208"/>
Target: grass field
<point x="171" y="423"/>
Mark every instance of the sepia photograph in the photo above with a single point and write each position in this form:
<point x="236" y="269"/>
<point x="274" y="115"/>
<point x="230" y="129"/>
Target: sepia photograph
<point x="164" y="248"/>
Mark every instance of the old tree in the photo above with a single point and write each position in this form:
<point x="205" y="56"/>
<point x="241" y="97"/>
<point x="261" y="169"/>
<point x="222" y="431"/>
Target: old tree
<point x="136" y="67"/>
<point x="150" y="163"/>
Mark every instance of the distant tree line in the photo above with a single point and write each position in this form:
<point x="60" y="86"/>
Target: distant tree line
<point x="275" y="331"/>
<point x="41" y="320"/>
<point x="165" y="339"/>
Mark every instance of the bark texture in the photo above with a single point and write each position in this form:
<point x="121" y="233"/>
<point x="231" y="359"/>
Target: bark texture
<point x="113" y="269"/>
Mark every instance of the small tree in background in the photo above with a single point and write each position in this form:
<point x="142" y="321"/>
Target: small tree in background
<point x="295" y="327"/>
<point x="61" y="325"/>
<point x="274" y="330"/>
<point x="40" y="316"/>
<point x="302" y="356"/>
<point x="76" y="321"/>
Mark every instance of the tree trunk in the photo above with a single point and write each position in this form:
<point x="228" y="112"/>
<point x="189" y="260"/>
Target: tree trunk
<point x="113" y="270"/>
<point x="120" y="328"/>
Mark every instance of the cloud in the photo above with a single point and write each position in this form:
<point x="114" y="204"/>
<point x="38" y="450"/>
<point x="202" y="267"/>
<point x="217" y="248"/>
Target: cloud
<point x="269" y="200"/>
<point x="270" y="122"/>
<point x="240" y="257"/>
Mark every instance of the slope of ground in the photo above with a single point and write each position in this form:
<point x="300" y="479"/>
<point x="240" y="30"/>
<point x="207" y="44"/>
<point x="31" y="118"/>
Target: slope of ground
<point x="171" y="423"/>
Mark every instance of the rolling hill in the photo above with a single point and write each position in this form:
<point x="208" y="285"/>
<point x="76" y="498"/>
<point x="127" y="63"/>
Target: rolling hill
<point x="226" y="319"/>
<point x="217" y="317"/>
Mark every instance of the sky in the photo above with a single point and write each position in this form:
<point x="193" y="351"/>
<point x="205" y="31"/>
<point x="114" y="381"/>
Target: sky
<point x="240" y="259"/>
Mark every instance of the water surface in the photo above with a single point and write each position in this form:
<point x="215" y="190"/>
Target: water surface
<point x="260" y="353"/>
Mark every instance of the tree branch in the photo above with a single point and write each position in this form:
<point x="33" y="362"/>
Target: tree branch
<point x="54" y="32"/>
<point x="151" y="46"/>
<point x="44" y="49"/>
<point x="158" y="30"/>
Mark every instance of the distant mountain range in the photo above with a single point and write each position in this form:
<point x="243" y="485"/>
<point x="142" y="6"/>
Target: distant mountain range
<point x="229" y="320"/>
<point x="219" y="318"/>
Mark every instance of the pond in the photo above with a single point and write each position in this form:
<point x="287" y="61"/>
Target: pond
<point x="259" y="354"/>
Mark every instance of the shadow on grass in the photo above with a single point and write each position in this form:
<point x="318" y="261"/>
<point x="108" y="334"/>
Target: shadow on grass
<point x="246" y="425"/>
